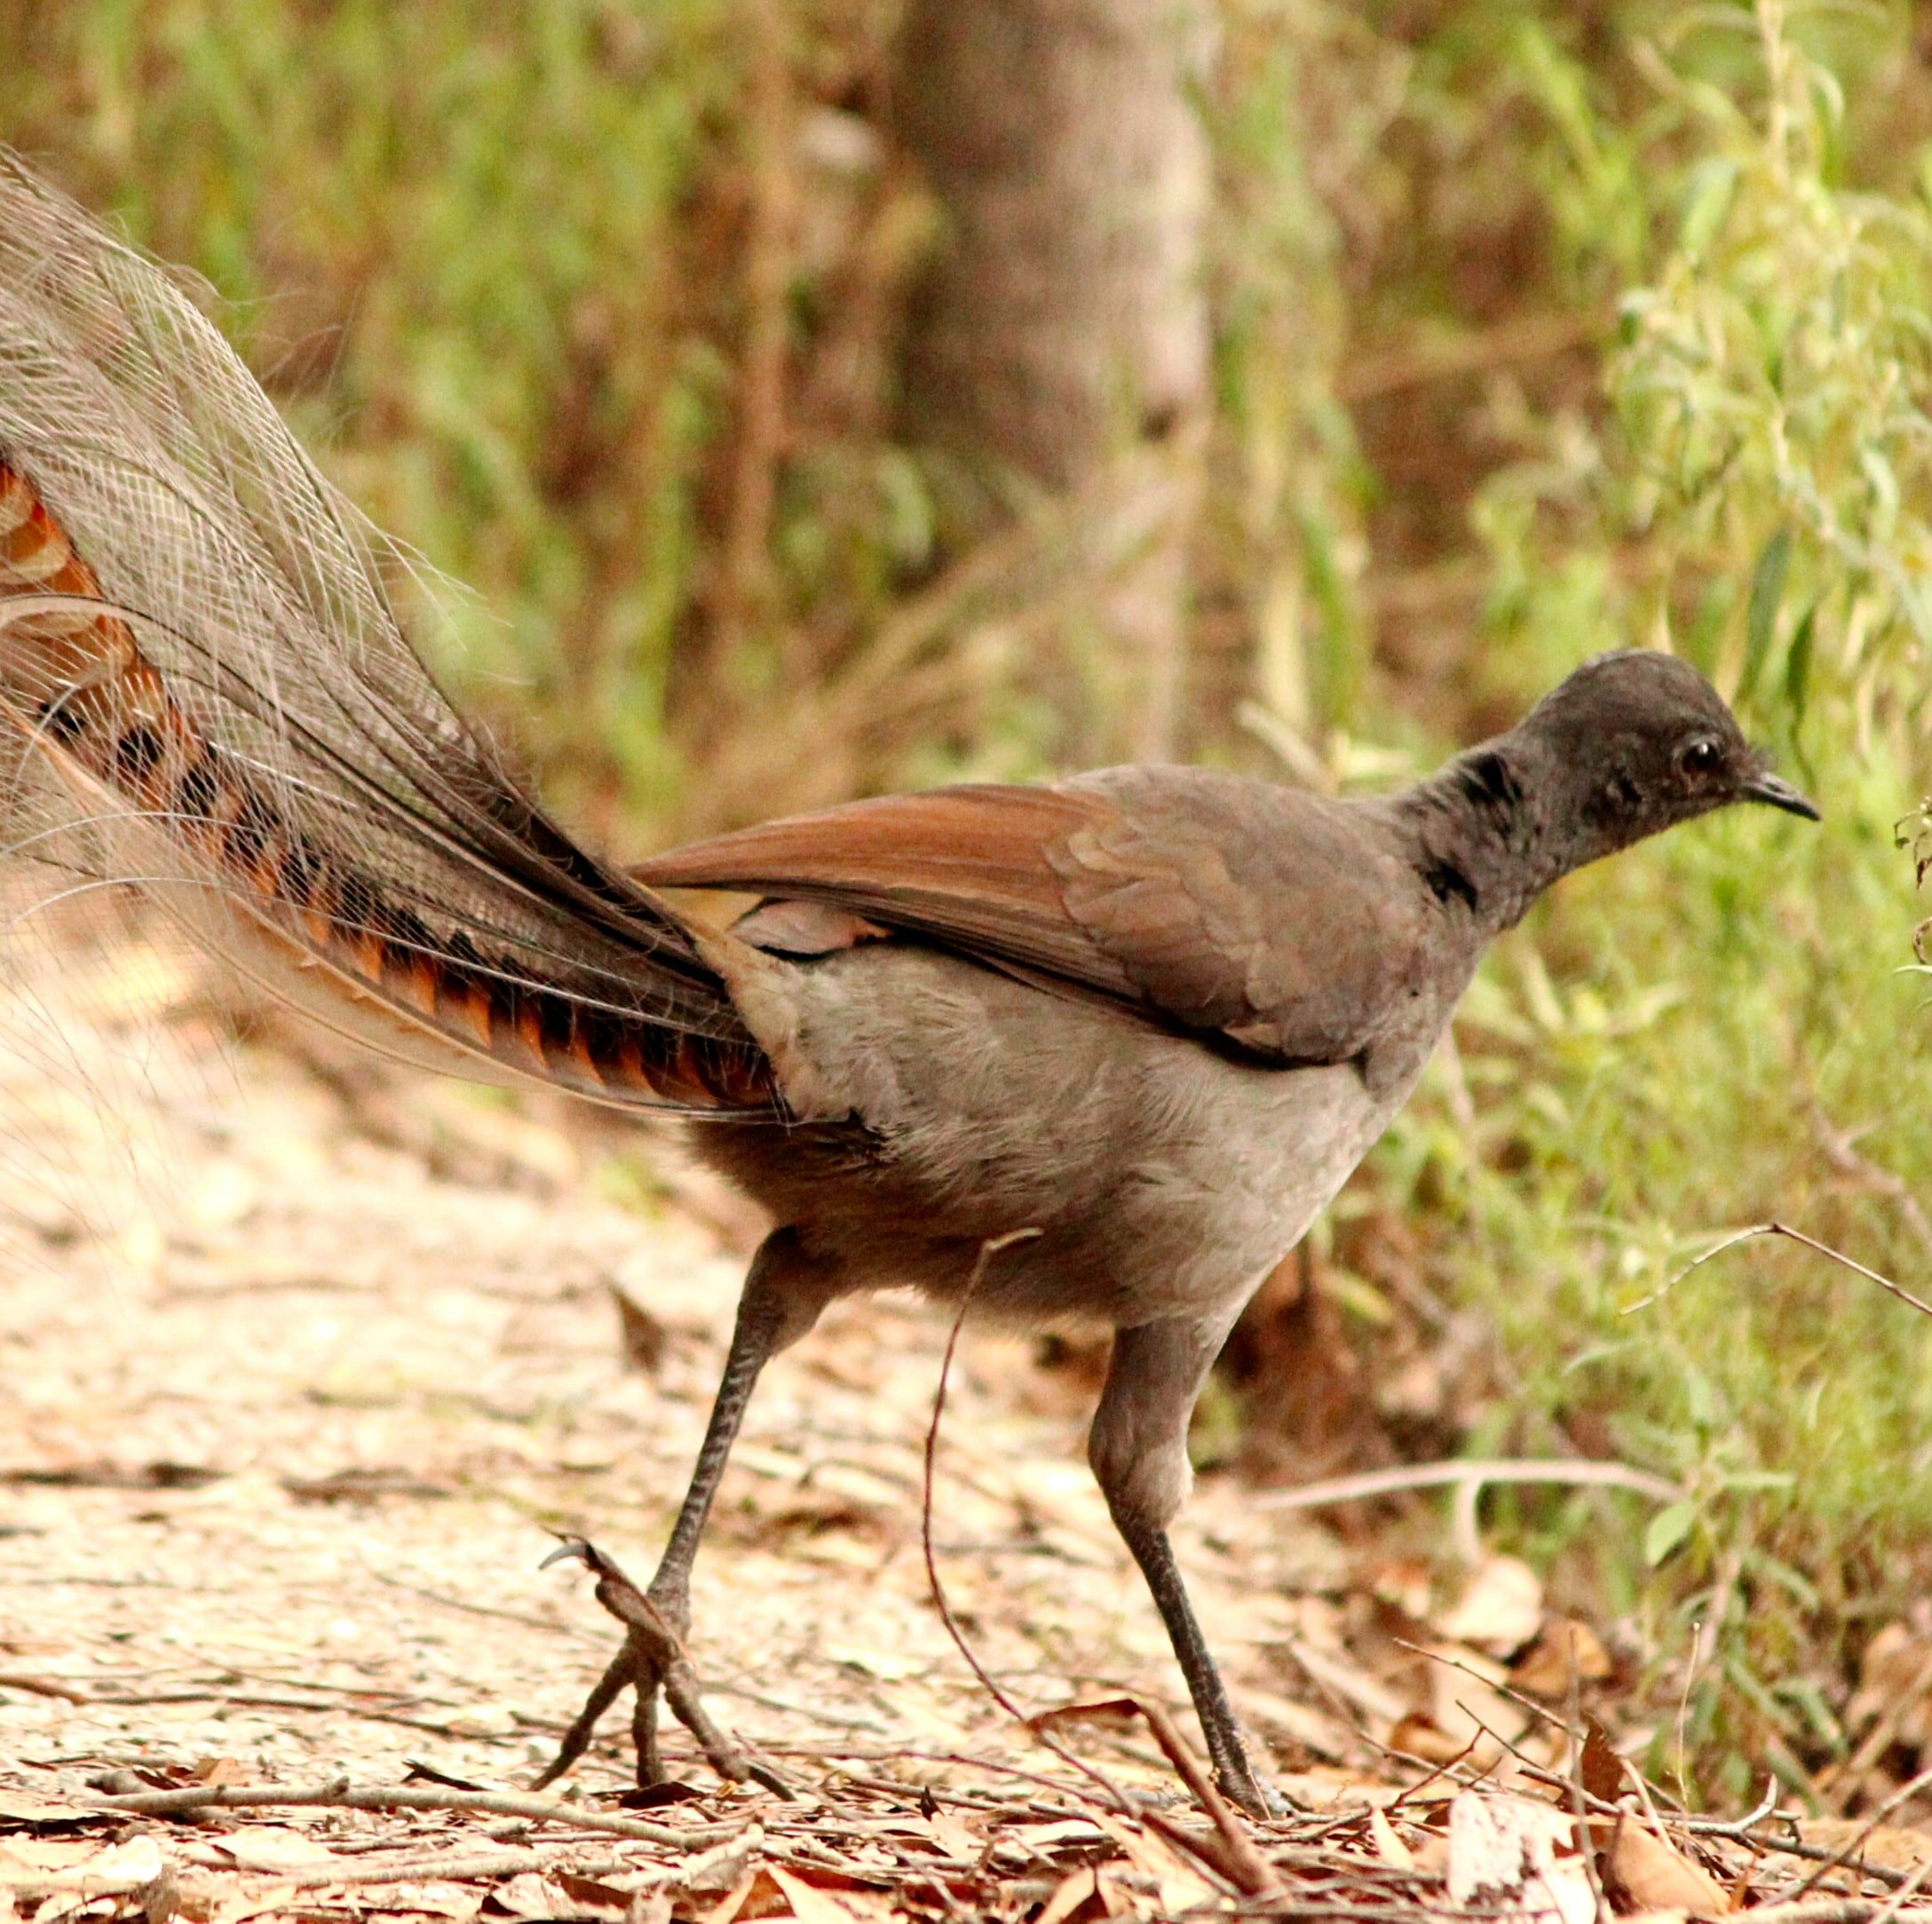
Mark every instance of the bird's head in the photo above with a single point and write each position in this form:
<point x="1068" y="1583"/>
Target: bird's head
<point x="1637" y="742"/>
<point x="1629" y="744"/>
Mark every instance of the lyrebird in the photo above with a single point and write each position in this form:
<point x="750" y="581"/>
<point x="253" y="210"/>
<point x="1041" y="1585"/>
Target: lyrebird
<point x="1151" y="1017"/>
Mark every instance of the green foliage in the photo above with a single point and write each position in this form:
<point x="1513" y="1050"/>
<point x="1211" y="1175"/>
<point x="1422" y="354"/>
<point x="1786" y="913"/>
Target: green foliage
<point x="456" y="237"/>
<point x="1773" y="387"/>
<point x="1710" y="1045"/>
<point x="1716" y="1030"/>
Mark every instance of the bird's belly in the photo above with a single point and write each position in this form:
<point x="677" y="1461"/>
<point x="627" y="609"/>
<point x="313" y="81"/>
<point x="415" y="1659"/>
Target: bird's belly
<point x="1217" y="1200"/>
<point x="1161" y="1179"/>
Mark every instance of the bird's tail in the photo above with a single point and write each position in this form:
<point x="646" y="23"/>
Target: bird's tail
<point x="206" y="691"/>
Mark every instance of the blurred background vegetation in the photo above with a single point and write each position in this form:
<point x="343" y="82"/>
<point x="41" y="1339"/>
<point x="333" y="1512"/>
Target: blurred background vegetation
<point x="823" y="396"/>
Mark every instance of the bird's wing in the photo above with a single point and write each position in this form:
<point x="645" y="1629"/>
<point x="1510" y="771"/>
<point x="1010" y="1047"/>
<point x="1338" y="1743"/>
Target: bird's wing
<point x="1283" y="922"/>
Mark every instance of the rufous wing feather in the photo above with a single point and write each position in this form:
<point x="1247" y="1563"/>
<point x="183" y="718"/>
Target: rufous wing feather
<point x="1145" y="886"/>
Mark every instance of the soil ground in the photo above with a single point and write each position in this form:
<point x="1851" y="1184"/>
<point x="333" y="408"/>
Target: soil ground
<point x="305" y="1364"/>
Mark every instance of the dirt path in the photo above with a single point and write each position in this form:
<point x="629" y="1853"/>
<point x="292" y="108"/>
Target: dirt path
<point x="305" y="1363"/>
<point x="282" y="1446"/>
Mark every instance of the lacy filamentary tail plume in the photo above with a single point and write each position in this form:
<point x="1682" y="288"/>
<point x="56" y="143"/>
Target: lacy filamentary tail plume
<point x="1152" y="1018"/>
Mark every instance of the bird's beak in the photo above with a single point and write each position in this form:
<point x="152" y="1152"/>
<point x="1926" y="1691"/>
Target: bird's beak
<point x="1776" y="792"/>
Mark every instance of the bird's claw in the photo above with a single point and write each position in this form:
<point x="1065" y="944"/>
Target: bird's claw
<point x="651" y="1659"/>
<point x="569" y="1548"/>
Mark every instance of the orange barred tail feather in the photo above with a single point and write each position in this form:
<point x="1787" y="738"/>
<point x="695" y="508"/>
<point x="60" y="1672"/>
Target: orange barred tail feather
<point x="211" y="697"/>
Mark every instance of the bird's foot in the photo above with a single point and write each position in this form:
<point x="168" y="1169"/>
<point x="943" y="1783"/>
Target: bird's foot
<point x="653" y="1662"/>
<point x="1247" y="1793"/>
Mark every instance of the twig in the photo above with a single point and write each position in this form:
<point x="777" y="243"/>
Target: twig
<point x="1902" y="1795"/>
<point x="449" y="1866"/>
<point x="454" y="1867"/>
<point x="1736" y="1827"/>
<point x="1706" y="1632"/>
<point x="346" y="1796"/>
<point x="1515" y="1695"/>
<point x="13" y="1679"/>
<point x="1896" y="1901"/>
<point x="1471" y="1470"/>
<point x="1794" y="1235"/>
<point x="1115" y="1796"/>
<point x="1243" y="1863"/>
<point x="1840" y="1147"/>
<point x="1791" y="1846"/>
<point x="265" y="1700"/>
<point x="1432" y="1773"/>
<point x="1823" y="1911"/>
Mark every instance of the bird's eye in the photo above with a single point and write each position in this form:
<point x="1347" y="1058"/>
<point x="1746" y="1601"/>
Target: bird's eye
<point x="1700" y="758"/>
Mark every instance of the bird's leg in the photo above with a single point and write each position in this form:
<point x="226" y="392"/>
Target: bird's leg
<point x="1138" y="1450"/>
<point x="784" y="1294"/>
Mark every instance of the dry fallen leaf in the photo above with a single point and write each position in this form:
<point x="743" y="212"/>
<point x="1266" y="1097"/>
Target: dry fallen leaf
<point x="1601" y="1766"/>
<point x="436" y="1899"/>
<point x="1180" y="1886"/>
<point x="232" y="1906"/>
<point x="1501" y="1609"/>
<point x="531" y="1895"/>
<point x="93" y="1872"/>
<point x="1566" y="1653"/>
<point x="1518" y="1850"/>
<point x="19" y="1807"/>
<point x="1077" y="1890"/>
<point x="381" y="1307"/>
<point x="272" y="1846"/>
<point x="1388" y="1847"/>
<point x="32" y="1859"/>
<point x="1417" y="1737"/>
<point x="810" y="1904"/>
<point x="736" y="1897"/>
<point x="1468" y="1706"/>
<point x="1653" y="1873"/>
<point x="953" y="1837"/>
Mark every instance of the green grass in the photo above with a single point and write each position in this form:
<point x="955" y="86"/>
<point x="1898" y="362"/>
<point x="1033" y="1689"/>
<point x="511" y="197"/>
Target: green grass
<point x="1721" y="1029"/>
<point x="457" y="240"/>
<point x="1684" y="1041"/>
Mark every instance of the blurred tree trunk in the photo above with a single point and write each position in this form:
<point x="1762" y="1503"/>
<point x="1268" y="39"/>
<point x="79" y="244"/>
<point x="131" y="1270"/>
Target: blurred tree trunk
<point x="1064" y="330"/>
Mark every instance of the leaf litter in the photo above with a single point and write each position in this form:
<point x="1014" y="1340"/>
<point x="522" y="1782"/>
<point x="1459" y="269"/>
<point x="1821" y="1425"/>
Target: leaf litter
<point x="290" y="1425"/>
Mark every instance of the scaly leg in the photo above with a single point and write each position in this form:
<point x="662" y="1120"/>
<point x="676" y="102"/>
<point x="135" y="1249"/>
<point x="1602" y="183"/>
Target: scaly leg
<point x="1138" y="1450"/>
<point x="784" y="1294"/>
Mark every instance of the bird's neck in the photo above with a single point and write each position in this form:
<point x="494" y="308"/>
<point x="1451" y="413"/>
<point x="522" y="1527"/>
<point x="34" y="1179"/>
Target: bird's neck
<point x="1489" y="831"/>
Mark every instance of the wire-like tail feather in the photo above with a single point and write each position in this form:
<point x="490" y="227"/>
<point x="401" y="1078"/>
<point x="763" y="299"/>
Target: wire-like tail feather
<point x="210" y="695"/>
